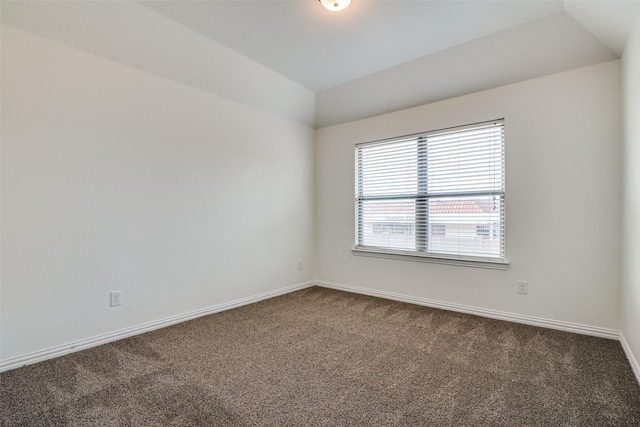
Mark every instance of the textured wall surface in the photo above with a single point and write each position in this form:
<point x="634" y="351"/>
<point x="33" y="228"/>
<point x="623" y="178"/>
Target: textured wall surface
<point x="563" y="198"/>
<point x="630" y="313"/>
<point x="114" y="178"/>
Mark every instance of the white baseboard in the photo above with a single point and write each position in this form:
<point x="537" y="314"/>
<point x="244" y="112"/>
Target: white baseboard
<point x="61" y="350"/>
<point x="83" y="344"/>
<point x="494" y="314"/>
<point x="635" y="364"/>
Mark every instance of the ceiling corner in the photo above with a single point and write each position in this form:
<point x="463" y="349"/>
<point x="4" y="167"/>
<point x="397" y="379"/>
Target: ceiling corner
<point x="609" y="21"/>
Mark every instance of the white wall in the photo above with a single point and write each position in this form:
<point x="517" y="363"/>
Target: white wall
<point x="630" y="313"/>
<point x="114" y="178"/>
<point x="563" y="200"/>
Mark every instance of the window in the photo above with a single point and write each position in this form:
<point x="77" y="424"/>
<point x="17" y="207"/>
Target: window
<point x="482" y="230"/>
<point x="392" y="227"/>
<point x="438" y="230"/>
<point x="437" y="194"/>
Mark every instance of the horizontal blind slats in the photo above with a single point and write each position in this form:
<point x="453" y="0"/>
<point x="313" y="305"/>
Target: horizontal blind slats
<point x="410" y="192"/>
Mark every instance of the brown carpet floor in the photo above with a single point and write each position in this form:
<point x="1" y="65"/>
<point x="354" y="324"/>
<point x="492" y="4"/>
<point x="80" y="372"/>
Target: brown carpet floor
<point x="324" y="357"/>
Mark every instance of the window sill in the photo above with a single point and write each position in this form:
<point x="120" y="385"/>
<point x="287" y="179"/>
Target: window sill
<point x="410" y="256"/>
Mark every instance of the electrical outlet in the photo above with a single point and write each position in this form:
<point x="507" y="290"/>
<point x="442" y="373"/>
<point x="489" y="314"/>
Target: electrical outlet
<point x="523" y="287"/>
<point x="116" y="298"/>
<point x="300" y="265"/>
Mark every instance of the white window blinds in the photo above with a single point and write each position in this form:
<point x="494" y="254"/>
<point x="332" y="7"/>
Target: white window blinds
<point x="435" y="194"/>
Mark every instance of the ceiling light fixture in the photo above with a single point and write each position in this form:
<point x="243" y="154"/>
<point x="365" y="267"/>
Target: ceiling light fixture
<point x="335" y="5"/>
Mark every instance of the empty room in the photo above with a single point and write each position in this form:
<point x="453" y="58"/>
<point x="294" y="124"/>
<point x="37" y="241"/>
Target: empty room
<point x="320" y="212"/>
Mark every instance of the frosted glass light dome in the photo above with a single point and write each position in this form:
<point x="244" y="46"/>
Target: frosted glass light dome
<point x="335" y="5"/>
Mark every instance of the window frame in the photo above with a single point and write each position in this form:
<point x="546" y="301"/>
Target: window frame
<point x="421" y="221"/>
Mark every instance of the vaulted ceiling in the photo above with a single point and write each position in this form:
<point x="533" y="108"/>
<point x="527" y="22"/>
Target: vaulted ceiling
<point x="321" y="49"/>
<point x="352" y="60"/>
